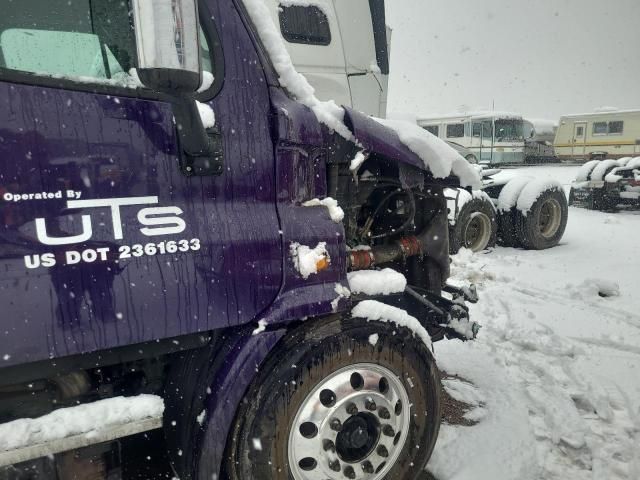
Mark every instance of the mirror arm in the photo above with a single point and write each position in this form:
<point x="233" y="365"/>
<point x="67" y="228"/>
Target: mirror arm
<point x="201" y="151"/>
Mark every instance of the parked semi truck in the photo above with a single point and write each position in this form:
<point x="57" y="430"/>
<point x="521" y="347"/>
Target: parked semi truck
<point x="177" y="248"/>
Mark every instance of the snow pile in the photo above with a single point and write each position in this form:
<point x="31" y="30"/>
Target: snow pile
<point x="377" y="282"/>
<point x="612" y="176"/>
<point x="327" y="113"/>
<point x="464" y="327"/>
<point x="533" y="190"/>
<point x="601" y="168"/>
<point x="439" y="158"/>
<point x="207" y="81"/>
<point x="469" y="394"/>
<point x="585" y="170"/>
<point x="509" y="195"/>
<point x="305" y="3"/>
<point x="206" y="114"/>
<point x="634" y="163"/>
<point x="357" y="161"/>
<point x="307" y="260"/>
<point x="377" y="311"/>
<point x="593" y="288"/>
<point x="87" y="419"/>
<point x="262" y="326"/>
<point x="343" y="293"/>
<point x="468" y="268"/>
<point x="335" y="212"/>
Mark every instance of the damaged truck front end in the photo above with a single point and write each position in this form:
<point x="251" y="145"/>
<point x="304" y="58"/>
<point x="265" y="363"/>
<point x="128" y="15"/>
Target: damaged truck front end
<point x="204" y="254"/>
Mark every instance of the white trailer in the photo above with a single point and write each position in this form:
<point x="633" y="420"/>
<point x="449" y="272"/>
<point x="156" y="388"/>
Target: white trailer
<point x="599" y="135"/>
<point x="341" y="47"/>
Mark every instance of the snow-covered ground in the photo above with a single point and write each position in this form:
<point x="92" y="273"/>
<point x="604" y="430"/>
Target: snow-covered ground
<point x="555" y="371"/>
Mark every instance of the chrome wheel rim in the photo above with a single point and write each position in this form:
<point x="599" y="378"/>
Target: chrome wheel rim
<point x="550" y="218"/>
<point x="353" y="425"/>
<point x="477" y="232"/>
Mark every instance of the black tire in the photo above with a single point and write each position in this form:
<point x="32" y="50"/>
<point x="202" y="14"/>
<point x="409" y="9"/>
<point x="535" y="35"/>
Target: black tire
<point x="544" y="225"/>
<point x="475" y="228"/>
<point x="507" y="235"/>
<point x="306" y="358"/>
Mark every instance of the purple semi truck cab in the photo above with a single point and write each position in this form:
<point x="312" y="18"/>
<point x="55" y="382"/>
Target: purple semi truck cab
<point x="149" y="249"/>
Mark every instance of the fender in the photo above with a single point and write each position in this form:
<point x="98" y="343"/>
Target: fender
<point x="202" y="392"/>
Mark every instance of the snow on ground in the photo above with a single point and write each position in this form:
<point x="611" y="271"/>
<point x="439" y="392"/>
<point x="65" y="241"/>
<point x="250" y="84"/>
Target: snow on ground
<point x="556" y="365"/>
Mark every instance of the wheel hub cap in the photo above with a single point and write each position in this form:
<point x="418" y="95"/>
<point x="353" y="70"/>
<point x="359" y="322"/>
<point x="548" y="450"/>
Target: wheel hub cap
<point x="550" y="218"/>
<point x="353" y="425"/>
<point x="477" y="232"/>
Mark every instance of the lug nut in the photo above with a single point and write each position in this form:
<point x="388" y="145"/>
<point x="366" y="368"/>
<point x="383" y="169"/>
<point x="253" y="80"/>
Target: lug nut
<point x="367" y="467"/>
<point x="388" y="431"/>
<point x="352" y="409"/>
<point x="335" y="425"/>
<point x="382" y="451"/>
<point x="384" y="413"/>
<point x="328" y="446"/>
<point x="334" y="465"/>
<point x="349" y="472"/>
<point x="370" y="405"/>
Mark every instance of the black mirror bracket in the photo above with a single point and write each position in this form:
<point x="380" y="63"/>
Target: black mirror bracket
<point x="201" y="149"/>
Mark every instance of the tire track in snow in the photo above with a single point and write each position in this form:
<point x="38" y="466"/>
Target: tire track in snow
<point x="584" y="427"/>
<point x="577" y="428"/>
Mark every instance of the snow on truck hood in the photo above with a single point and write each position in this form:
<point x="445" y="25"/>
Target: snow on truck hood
<point x="409" y="143"/>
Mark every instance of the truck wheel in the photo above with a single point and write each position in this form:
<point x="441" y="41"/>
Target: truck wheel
<point x="339" y="399"/>
<point x="475" y="226"/>
<point x="543" y="226"/>
<point x="507" y="235"/>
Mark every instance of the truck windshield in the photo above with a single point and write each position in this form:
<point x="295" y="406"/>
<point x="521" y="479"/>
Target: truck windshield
<point x="509" y="130"/>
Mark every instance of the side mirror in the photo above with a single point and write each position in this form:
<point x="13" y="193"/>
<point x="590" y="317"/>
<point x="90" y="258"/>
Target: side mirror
<point x="168" y="45"/>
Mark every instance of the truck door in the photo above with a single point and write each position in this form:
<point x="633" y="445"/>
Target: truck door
<point x="104" y="241"/>
<point x="579" y="140"/>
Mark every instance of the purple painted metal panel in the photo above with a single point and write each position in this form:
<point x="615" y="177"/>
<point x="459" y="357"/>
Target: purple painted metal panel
<point x="377" y="138"/>
<point x="301" y="175"/>
<point x="228" y="389"/>
<point x="55" y="140"/>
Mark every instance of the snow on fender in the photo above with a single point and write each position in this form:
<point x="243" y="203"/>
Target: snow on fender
<point x="602" y="168"/>
<point x="533" y="190"/>
<point x="511" y="192"/>
<point x="507" y="200"/>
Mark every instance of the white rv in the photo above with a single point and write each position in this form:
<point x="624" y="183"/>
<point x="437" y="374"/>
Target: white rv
<point x="599" y="135"/>
<point x="492" y="138"/>
<point x="341" y="47"/>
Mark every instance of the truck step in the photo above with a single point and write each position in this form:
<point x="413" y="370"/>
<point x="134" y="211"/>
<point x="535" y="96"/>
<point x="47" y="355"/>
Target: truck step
<point x="77" y="427"/>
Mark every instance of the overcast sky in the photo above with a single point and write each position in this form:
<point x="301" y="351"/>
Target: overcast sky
<point x="541" y="58"/>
